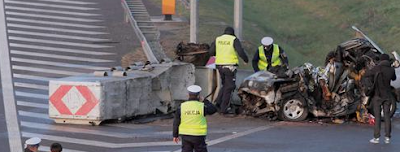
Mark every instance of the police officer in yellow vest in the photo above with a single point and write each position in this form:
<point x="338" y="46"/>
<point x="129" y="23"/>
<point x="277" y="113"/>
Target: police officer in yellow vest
<point x="269" y="55"/>
<point x="190" y="121"/>
<point x="226" y="49"/>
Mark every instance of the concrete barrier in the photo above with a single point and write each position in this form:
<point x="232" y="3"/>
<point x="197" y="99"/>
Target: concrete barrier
<point x="90" y="99"/>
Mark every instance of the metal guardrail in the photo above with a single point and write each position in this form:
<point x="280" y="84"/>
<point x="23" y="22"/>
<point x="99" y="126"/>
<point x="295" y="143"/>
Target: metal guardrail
<point x="145" y="45"/>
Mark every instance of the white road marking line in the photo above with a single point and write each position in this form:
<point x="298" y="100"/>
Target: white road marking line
<point x="53" y="17"/>
<point x="34" y="114"/>
<point x="90" y="39"/>
<point x="32" y="77"/>
<point x="53" y="23"/>
<point x="32" y="95"/>
<point x="50" y="11"/>
<point x="50" y="5"/>
<point x="8" y="99"/>
<point x="233" y="136"/>
<point x="75" y="130"/>
<point x="54" y="29"/>
<point x="47" y="149"/>
<point x="68" y="2"/>
<point x="64" y="57"/>
<point x="31" y="86"/>
<point x="97" y="143"/>
<point x="240" y="134"/>
<point x="17" y="38"/>
<point x="58" y="64"/>
<point x="32" y="105"/>
<point x="56" y="49"/>
<point x="46" y="70"/>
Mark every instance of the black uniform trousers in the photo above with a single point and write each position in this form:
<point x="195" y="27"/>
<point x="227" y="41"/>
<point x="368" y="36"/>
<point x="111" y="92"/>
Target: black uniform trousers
<point x="377" y="105"/>
<point x="228" y="79"/>
<point x="196" y="143"/>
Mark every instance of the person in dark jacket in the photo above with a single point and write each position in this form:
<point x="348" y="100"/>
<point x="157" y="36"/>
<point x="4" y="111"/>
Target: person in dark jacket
<point x="226" y="49"/>
<point x="269" y="55"/>
<point x="56" y="147"/>
<point x="190" y="122"/>
<point x="382" y="96"/>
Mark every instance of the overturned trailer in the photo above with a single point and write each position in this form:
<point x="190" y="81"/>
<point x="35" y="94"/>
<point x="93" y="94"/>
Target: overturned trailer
<point x="338" y="89"/>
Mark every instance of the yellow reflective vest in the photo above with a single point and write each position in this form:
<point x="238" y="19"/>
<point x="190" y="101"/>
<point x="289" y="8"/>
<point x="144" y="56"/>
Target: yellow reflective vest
<point x="193" y="121"/>
<point x="262" y="62"/>
<point x="225" y="51"/>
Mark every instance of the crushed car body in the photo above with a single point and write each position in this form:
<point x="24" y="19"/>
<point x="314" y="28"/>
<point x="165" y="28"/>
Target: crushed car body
<point x="337" y="89"/>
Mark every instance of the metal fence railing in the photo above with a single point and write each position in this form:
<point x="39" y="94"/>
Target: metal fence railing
<point x="145" y="45"/>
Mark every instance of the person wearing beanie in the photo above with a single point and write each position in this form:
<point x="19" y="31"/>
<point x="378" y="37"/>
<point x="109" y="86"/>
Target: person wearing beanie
<point x="226" y="49"/>
<point x="382" y="74"/>
<point x="269" y="55"/>
<point x="190" y="122"/>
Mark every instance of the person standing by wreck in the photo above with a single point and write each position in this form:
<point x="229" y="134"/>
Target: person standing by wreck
<point x="269" y="56"/>
<point x="190" y="122"/>
<point x="382" y="74"/>
<point x="227" y="49"/>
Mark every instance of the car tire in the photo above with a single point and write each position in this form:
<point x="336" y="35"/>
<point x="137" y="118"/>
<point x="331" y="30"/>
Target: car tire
<point x="293" y="109"/>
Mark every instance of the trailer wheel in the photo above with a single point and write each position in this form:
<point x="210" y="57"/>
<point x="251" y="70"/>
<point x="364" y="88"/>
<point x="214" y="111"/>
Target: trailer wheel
<point x="293" y="109"/>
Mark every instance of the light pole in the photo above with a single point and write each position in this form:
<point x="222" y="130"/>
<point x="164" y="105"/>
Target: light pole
<point x="238" y="17"/>
<point x="194" y="17"/>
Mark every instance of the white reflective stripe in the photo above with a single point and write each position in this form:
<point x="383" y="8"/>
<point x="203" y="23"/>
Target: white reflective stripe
<point x="32" y="95"/>
<point x="59" y="56"/>
<point x="46" y="149"/>
<point x="32" y="77"/>
<point x="31" y="86"/>
<point x="54" y="49"/>
<point x="49" y="5"/>
<point x="57" y="36"/>
<point x="53" y="23"/>
<point x="54" y="29"/>
<point x="17" y="38"/>
<point x="46" y="70"/>
<point x="32" y="105"/>
<point x="52" y="17"/>
<point x="68" y="2"/>
<point x="49" y="11"/>
<point x="34" y="114"/>
<point x="58" y="64"/>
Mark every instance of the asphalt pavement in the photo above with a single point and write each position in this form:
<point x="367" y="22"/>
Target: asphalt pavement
<point x="4" y="144"/>
<point x="50" y="39"/>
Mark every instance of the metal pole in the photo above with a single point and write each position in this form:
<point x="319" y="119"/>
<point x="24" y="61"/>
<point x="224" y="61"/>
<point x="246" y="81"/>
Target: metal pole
<point x="238" y="17"/>
<point x="10" y="109"/>
<point x="194" y="17"/>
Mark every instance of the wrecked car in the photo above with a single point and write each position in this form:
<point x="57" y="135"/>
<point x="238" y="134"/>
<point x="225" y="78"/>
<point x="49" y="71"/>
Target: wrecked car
<point x="331" y="91"/>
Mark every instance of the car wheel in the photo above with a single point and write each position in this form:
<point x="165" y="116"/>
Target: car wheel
<point x="293" y="109"/>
